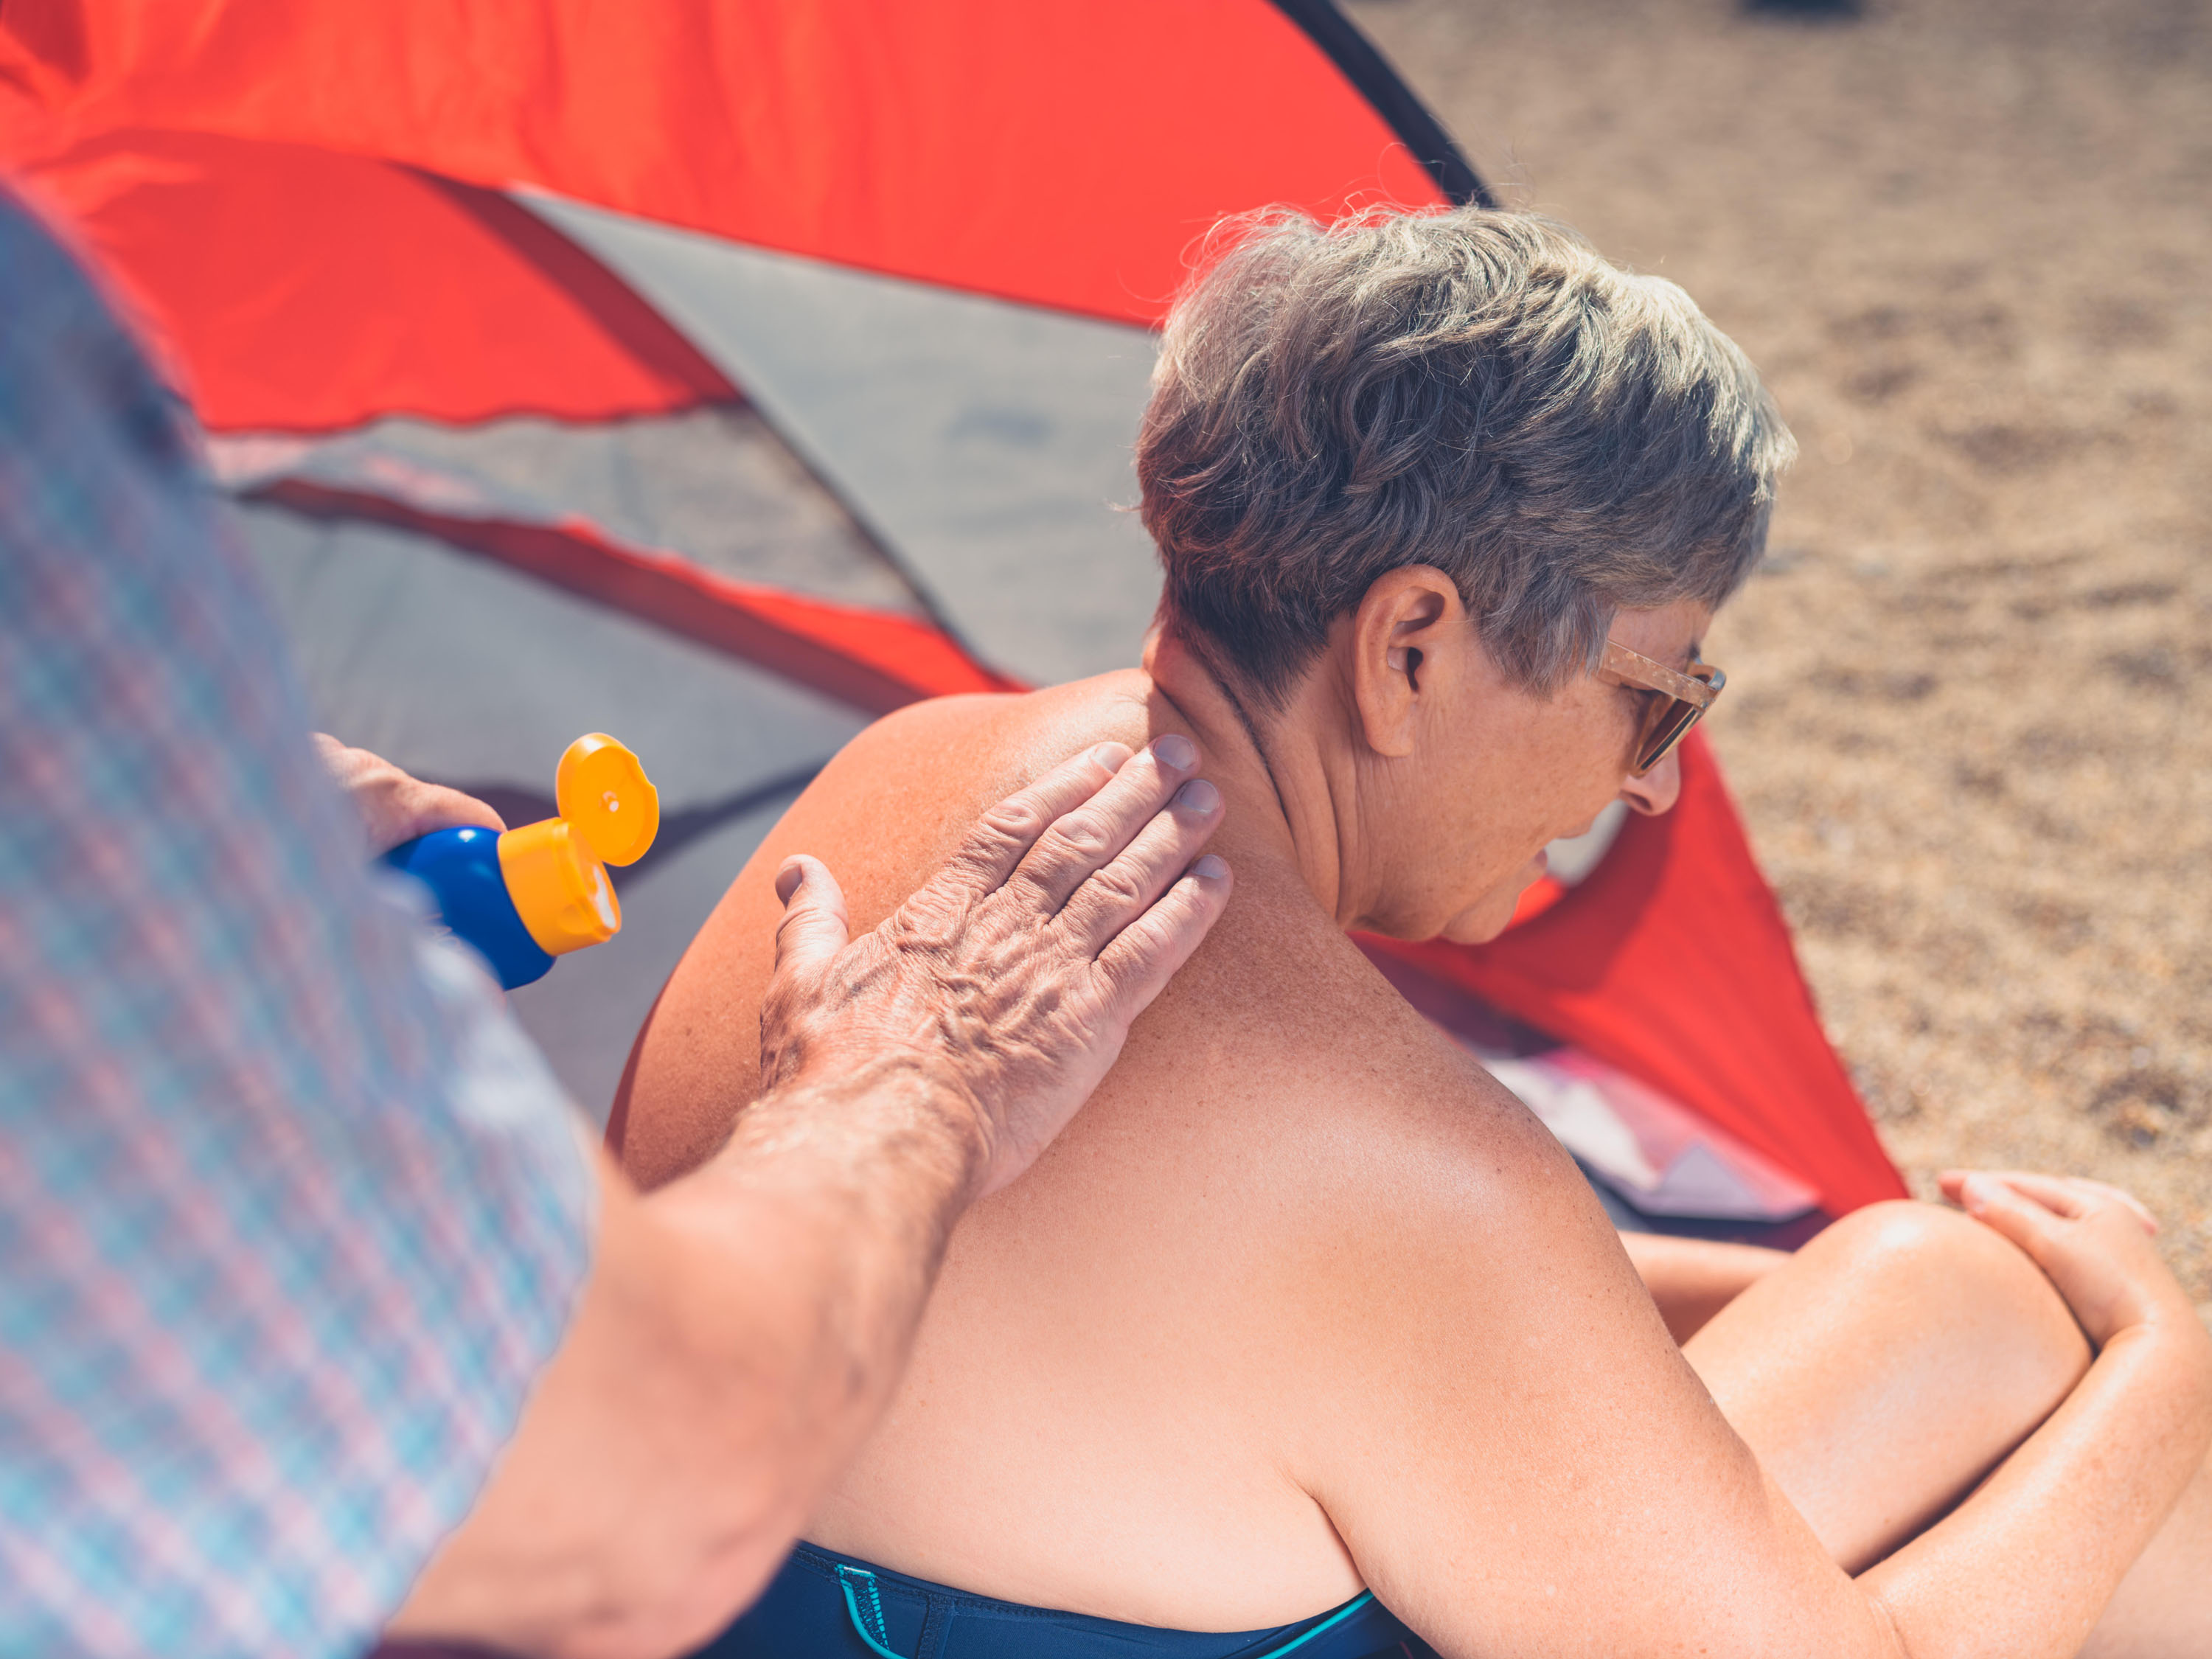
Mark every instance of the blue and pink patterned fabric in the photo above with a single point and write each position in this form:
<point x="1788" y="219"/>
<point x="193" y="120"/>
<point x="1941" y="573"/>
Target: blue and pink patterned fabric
<point x="290" y="1212"/>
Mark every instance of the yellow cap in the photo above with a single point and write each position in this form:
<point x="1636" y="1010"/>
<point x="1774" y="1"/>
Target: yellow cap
<point x="609" y="811"/>
<point x="604" y="794"/>
<point x="559" y="887"/>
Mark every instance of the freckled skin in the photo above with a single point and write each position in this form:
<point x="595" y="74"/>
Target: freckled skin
<point x="1302" y="1301"/>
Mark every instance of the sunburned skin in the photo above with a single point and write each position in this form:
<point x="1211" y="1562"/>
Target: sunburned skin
<point x="1303" y="1301"/>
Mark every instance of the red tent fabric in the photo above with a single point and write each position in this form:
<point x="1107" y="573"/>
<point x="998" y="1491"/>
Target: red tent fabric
<point x="1112" y="133"/>
<point x="311" y="206"/>
<point x="292" y="287"/>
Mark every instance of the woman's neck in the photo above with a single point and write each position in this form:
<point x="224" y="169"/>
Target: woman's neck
<point x="1288" y="787"/>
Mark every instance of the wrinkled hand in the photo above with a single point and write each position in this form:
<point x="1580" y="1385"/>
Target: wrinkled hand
<point x="393" y="806"/>
<point x="2093" y="1241"/>
<point x="1016" y="971"/>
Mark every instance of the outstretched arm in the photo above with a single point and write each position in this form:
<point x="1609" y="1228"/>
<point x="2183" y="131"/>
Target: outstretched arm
<point x="744" y="1326"/>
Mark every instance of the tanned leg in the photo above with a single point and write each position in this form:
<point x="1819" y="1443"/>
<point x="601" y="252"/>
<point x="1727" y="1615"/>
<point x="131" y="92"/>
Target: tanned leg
<point x="1887" y="1367"/>
<point x="2163" y="1609"/>
<point x="1691" y="1279"/>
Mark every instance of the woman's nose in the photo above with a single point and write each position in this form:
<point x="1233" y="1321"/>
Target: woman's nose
<point x="1657" y="790"/>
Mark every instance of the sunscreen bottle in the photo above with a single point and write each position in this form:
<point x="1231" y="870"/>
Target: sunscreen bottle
<point x="532" y="893"/>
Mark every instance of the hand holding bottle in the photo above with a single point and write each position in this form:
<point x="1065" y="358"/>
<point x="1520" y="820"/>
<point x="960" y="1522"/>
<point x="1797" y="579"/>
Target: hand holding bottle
<point x="396" y="807"/>
<point x="521" y="897"/>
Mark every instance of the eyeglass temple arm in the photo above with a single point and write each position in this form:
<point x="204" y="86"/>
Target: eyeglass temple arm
<point x="1635" y="666"/>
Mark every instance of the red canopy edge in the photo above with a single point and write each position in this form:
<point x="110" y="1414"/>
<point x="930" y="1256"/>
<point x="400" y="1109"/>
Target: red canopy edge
<point x="873" y="660"/>
<point x="1673" y="961"/>
<point x="294" y="288"/>
<point x="1063" y="156"/>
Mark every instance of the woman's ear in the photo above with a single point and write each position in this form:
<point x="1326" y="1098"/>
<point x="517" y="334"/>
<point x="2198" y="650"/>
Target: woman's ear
<point x="1406" y="646"/>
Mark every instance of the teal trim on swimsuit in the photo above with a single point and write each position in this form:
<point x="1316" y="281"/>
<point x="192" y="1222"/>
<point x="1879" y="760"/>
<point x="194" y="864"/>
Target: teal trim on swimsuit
<point x="1334" y="1619"/>
<point x="876" y="1639"/>
<point x="879" y="1638"/>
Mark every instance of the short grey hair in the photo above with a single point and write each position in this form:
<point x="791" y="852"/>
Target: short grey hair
<point x="1473" y="390"/>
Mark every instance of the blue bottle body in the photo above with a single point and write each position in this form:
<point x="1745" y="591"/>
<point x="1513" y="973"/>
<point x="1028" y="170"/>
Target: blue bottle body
<point x="461" y="869"/>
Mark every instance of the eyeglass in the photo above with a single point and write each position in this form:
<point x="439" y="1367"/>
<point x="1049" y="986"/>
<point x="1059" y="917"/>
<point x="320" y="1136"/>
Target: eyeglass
<point x="1681" y="703"/>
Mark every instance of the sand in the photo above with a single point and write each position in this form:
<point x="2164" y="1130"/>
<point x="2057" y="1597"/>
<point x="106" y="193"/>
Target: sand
<point x="1969" y="716"/>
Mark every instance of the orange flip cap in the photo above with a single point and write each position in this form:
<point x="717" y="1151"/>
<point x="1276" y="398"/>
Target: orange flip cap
<point x="603" y="791"/>
<point x="553" y="869"/>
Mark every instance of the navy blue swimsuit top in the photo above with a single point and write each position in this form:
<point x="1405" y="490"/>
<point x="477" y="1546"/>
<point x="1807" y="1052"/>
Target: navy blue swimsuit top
<point x="824" y="1606"/>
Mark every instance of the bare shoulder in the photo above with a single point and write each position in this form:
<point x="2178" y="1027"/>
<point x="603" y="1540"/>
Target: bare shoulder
<point x="1457" y="1361"/>
<point x="1284" y="1133"/>
<point x="884" y="813"/>
<point x="897" y="799"/>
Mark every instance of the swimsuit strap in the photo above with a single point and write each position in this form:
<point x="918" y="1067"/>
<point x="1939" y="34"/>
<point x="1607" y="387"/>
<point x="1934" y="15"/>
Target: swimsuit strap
<point x="864" y="1605"/>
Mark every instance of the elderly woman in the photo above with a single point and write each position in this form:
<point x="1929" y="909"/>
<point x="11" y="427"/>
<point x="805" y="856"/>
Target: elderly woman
<point x="1306" y="1318"/>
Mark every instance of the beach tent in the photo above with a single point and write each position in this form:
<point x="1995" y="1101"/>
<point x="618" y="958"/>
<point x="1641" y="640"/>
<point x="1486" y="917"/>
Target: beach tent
<point x="723" y="375"/>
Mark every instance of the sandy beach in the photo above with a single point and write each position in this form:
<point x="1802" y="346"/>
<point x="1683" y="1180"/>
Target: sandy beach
<point x="1969" y="706"/>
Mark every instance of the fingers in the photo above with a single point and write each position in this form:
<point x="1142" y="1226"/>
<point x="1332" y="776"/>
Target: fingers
<point x="1113" y="898"/>
<point x="2067" y="1196"/>
<point x="815" y="926"/>
<point x="2121" y="1195"/>
<point x="1083" y="842"/>
<point x="395" y="807"/>
<point x="1144" y="956"/>
<point x="2084" y="1236"/>
<point x="1006" y="833"/>
<point x="2025" y="1221"/>
<point x="2054" y="1193"/>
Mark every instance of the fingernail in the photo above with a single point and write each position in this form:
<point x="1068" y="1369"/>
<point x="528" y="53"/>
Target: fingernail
<point x="1210" y="868"/>
<point x="1176" y="750"/>
<point x="1110" y="755"/>
<point x="1198" y="796"/>
<point x="1974" y="1192"/>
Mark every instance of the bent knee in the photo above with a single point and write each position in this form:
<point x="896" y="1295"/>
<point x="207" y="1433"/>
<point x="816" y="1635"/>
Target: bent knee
<point x="1925" y="1251"/>
<point x="1967" y="1282"/>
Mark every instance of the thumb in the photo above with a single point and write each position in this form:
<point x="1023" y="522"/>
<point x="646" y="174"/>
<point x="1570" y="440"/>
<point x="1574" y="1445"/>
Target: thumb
<point x="814" y="928"/>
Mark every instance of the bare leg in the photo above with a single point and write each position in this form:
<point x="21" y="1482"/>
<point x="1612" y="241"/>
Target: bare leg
<point x="1691" y="1280"/>
<point x="1890" y="1364"/>
<point x="1887" y="1367"/>
<point x="2164" y="1606"/>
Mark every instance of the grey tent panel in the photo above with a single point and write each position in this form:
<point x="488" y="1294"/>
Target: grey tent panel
<point x="985" y="444"/>
<point x="714" y="485"/>
<point x="459" y="669"/>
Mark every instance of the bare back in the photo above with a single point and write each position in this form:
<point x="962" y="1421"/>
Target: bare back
<point x="1120" y="1401"/>
<point x="1303" y="1301"/>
